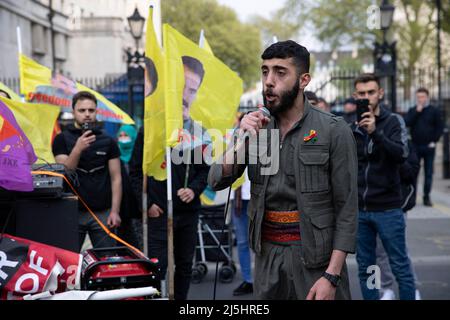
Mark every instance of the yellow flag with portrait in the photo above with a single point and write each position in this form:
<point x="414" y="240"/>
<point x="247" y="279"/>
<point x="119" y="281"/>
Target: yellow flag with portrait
<point x="217" y="99"/>
<point x="154" y="164"/>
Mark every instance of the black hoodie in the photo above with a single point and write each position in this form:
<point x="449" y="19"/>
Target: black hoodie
<point x="157" y="190"/>
<point x="426" y="126"/>
<point x="379" y="158"/>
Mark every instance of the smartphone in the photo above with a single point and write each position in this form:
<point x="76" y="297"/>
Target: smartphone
<point x="362" y="106"/>
<point x="88" y="126"/>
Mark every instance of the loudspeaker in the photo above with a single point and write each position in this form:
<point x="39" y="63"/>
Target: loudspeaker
<point x="49" y="221"/>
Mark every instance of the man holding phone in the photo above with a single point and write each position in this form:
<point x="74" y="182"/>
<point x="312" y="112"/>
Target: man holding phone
<point x="382" y="147"/>
<point x="426" y="126"/>
<point x="94" y="157"/>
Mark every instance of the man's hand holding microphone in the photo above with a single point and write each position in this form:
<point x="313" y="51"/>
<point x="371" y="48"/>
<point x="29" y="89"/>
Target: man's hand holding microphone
<point x="250" y="125"/>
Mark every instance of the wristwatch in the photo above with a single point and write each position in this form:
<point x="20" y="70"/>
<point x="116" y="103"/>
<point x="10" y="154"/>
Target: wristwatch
<point x="334" y="279"/>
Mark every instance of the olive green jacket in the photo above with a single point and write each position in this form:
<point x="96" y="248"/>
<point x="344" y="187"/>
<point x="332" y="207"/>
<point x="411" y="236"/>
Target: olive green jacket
<point x="325" y="170"/>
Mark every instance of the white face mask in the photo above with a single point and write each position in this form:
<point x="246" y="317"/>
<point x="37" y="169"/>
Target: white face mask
<point x="124" y="139"/>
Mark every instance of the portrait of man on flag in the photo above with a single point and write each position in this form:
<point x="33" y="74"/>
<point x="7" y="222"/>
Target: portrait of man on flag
<point x="150" y="77"/>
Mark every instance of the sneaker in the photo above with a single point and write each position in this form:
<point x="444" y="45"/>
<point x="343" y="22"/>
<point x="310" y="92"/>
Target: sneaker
<point x="418" y="297"/>
<point x="244" y="288"/>
<point x="388" y="294"/>
<point x="427" y="202"/>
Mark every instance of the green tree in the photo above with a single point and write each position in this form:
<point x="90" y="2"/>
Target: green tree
<point x="336" y="23"/>
<point x="237" y="44"/>
<point x="415" y="32"/>
<point x="275" y="26"/>
<point x="341" y="22"/>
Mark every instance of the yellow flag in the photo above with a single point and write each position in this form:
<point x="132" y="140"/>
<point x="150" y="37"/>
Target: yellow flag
<point x="207" y="47"/>
<point x="154" y="112"/>
<point x="217" y="100"/>
<point x="12" y="94"/>
<point x="37" y="122"/>
<point x="40" y="85"/>
<point x="174" y="87"/>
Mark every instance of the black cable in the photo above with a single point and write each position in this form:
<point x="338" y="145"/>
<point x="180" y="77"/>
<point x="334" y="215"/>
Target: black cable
<point x="43" y="166"/>
<point x="8" y="217"/>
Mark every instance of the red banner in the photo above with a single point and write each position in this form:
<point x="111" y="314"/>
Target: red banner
<point x="28" y="267"/>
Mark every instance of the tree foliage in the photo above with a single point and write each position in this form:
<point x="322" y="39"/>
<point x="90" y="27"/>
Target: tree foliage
<point x="237" y="44"/>
<point x="339" y="23"/>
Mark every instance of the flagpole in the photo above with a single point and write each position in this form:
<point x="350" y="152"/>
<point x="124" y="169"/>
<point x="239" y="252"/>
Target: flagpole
<point x="144" y="214"/>
<point x="19" y="50"/>
<point x="156" y="4"/>
<point x="19" y="40"/>
<point x="170" y="258"/>
<point x="201" y="41"/>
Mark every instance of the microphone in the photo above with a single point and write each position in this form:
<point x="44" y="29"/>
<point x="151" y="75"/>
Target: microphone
<point x="246" y="134"/>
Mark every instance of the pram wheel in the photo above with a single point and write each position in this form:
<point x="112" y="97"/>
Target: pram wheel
<point x="226" y="273"/>
<point x="199" y="270"/>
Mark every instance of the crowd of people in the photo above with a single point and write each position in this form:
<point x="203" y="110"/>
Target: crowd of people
<point x="344" y="185"/>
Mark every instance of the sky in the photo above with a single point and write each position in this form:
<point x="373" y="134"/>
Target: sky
<point x="246" y="8"/>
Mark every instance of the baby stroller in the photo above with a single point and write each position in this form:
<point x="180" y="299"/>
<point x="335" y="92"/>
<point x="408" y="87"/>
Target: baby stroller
<point x="211" y="222"/>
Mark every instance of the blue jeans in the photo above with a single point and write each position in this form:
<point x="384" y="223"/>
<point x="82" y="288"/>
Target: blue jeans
<point x="240" y="223"/>
<point x="390" y="226"/>
<point x="427" y="154"/>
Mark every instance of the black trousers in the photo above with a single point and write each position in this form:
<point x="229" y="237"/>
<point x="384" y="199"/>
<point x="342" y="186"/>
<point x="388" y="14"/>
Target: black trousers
<point x="427" y="154"/>
<point x="184" y="242"/>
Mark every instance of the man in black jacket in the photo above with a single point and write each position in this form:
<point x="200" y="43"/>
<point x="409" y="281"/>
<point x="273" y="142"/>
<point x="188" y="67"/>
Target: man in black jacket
<point x="186" y="206"/>
<point x="426" y="126"/>
<point x="382" y="147"/>
<point x="94" y="157"/>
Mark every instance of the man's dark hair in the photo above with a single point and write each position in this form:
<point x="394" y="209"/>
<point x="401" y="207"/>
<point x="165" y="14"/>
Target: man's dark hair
<point x="152" y="74"/>
<point x="367" y="77"/>
<point x="320" y="99"/>
<point x="289" y="49"/>
<point x="83" y="95"/>
<point x="6" y="93"/>
<point x="195" y="65"/>
<point x="311" y="96"/>
<point x="423" y="90"/>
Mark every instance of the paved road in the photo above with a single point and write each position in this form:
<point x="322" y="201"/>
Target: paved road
<point x="428" y="237"/>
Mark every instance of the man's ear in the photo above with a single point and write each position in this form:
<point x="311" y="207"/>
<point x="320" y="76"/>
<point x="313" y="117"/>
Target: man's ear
<point x="304" y="80"/>
<point x="381" y="93"/>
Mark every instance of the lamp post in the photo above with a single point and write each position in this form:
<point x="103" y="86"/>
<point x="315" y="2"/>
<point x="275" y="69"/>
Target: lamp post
<point x="135" y="71"/>
<point x="385" y="56"/>
<point x="50" y="16"/>
<point x="446" y="139"/>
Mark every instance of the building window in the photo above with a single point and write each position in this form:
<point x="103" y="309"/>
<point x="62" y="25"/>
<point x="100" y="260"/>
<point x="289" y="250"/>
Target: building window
<point x="38" y="39"/>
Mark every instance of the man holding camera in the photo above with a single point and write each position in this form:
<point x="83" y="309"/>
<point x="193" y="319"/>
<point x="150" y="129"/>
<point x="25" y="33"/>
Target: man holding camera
<point x="94" y="158"/>
<point x="382" y="147"/>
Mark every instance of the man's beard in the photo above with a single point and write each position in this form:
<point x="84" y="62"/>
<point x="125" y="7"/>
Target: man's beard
<point x="287" y="99"/>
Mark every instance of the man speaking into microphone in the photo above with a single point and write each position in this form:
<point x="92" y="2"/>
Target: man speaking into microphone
<point x="302" y="216"/>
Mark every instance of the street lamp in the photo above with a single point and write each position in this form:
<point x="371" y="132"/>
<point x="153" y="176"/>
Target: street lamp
<point x="136" y="23"/>
<point x="387" y="14"/>
<point x="385" y="56"/>
<point x="135" y="70"/>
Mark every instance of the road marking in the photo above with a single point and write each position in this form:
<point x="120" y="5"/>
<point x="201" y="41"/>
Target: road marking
<point x="439" y="260"/>
<point x="444" y="209"/>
